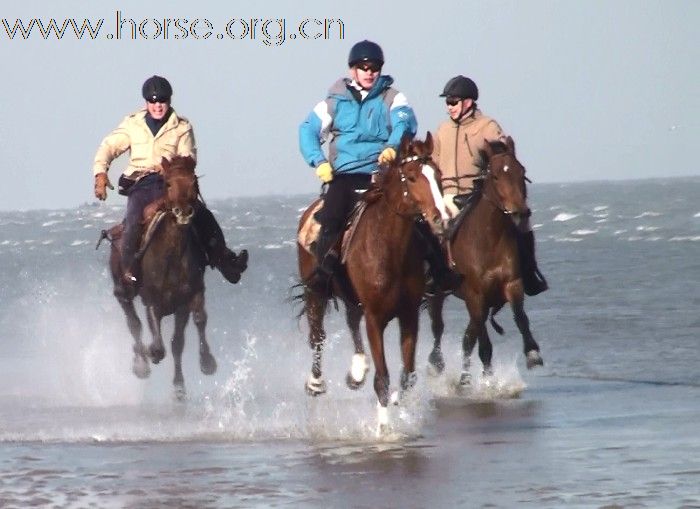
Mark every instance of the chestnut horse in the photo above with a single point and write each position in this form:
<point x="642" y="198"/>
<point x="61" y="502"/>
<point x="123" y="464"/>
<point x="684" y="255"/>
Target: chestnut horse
<point x="172" y="275"/>
<point x="383" y="275"/>
<point x="485" y="249"/>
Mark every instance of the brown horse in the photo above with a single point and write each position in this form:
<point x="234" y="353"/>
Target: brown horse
<point x="485" y="250"/>
<point x="172" y="275"/>
<point x="383" y="276"/>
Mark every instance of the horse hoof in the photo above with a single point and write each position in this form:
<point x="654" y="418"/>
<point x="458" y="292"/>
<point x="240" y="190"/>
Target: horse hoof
<point x="352" y="383"/>
<point x="436" y="363"/>
<point x="180" y="393"/>
<point x="534" y="359"/>
<point x="157" y="353"/>
<point x="382" y="421"/>
<point x="315" y="386"/>
<point x="140" y="367"/>
<point x="358" y="371"/>
<point x="207" y="364"/>
<point x="465" y="379"/>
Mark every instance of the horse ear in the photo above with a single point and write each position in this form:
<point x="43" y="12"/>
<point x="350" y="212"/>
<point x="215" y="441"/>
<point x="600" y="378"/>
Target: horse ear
<point x="510" y="144"/>
<point x="429" y="143"/>
<point x="190" y="163"/>
<point x="164" y="164"/>
<point x="405" y="144"/>
<point x="487" y="149"/>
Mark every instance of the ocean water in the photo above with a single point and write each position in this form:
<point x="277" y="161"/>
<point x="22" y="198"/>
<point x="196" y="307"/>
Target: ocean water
<point x="611" y="420"/>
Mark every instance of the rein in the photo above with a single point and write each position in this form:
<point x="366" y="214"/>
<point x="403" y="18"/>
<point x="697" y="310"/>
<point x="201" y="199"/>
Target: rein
<point x="483" y="176"/>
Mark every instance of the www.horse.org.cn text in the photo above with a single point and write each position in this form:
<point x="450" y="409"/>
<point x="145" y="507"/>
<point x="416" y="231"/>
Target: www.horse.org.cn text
<point x="268" y="31"/>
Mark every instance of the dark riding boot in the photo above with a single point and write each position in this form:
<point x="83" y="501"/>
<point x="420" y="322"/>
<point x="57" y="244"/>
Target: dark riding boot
<point x="326" y="255"/>
<point x="230" y="264"/>
<point x="440" y="277"/>
<point x="129" y="246"/>
<point x="533" y="280"/>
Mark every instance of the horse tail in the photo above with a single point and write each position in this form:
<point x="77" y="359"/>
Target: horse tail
<point x="496" y="326"/>
<point x="299" y="291"/>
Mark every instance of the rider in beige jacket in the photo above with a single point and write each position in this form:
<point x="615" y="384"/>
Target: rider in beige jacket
<point x="175" y="137"/>
<point x="149" y="135"/>
<point x="457" y="144"/>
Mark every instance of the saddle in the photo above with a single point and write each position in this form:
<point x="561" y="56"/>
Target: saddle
<point x="153" y="215"/>
<point x="465" y="203"/>
<point x="308" y="233"/>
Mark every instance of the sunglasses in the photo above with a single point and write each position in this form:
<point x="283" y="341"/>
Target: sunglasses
<point x="452" y="101"/>
<point x="154" y="100"/>
<point x="370" y="67"/>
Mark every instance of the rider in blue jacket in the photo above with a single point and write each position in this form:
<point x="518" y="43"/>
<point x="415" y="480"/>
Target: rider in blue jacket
<point x="365" y="119"/>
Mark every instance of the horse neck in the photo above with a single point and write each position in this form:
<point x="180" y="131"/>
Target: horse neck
<point x="386" y="214"/>
<point x="486" y="212"/>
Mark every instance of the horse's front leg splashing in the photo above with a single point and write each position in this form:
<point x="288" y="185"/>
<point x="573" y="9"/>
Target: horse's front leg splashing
<point x="177" y="346"/>
<point x="141" y="366"/>
<point x="359" y="366"/>
<point x="156" y="349"/>
<point x="315" y="308"/>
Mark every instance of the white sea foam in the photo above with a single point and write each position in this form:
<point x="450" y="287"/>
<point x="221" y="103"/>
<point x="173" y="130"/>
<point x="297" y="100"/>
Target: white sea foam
<point x="52" y="222"/>
<point x="79" y="242"/>
<point x="685" y="238"/>
<point x="584" y="232"/>
<point x="600" y="208"/>
<point x="647" y="214"/>
<point x="564" y="216"/>
<point x="697" y="214"/>
<point x="644" y="228"/>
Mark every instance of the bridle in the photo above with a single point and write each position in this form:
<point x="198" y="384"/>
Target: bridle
<point x="180" y="215"/>
<point x="404" y="184"/>
<point x="497" y="203"/>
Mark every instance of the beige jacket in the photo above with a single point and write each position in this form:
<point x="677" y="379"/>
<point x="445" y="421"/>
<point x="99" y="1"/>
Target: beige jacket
<point x="457" y="147"/>
<point x="146" y="151"/>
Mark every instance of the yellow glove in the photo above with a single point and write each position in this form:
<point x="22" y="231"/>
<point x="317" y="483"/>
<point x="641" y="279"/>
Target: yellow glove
<point x="101" y="184"/>
<point x="325" y="172"/>
<point x="387" y="155"/>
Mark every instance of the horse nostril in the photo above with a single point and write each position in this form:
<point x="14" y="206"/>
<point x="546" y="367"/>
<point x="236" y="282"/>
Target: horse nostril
<point x="177" y="211"/>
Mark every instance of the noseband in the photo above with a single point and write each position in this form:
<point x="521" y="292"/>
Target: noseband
<point x="484" y="175"/>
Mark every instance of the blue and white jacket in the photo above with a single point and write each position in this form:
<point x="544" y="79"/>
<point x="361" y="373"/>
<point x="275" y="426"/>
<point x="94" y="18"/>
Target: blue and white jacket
<point x="358" y="131"/>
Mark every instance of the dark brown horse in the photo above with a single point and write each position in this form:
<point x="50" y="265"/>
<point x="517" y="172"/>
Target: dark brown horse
<point x="485" y="250"/>
<point x="172" y="275"/>
<point x="383" y="276"/>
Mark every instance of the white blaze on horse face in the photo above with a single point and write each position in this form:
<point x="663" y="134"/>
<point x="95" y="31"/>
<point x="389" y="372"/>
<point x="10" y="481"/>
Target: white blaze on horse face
<point x="429" y="173"/>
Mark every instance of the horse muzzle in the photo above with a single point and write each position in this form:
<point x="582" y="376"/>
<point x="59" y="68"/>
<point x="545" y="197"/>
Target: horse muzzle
<point x="183" y="216"/>
<point x="518" y="216"/>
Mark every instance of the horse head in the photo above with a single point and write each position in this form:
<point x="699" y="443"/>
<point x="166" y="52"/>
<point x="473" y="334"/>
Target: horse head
<point x="419" y="179"/>
<point x="181" y="187"/>
<point x="504" y="179"/>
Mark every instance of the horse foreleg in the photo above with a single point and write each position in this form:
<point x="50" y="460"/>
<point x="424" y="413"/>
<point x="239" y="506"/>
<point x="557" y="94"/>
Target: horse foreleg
<point x="476" y="331"/>
<point x="315" y="309"/>
<point x="207" y="362"/>
<point x="359" y="366"/>
<point x="156" y="349"/>
<point x="177" y="346"/>
<point x="436" y="362"/>
<point x="375" y="336"/>
<point x="140" y="366"/>
<point x="408" y="327"/>
<point x="530" y="346"/>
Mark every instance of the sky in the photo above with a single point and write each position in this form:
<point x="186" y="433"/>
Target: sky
<point x="589" y="90"/>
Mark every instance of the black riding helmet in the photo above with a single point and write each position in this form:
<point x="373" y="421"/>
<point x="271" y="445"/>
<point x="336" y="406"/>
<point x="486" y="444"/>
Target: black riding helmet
<point x="157" y="87"/>
<point x="365" y="51"/>
<point x="462" y="87"/>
